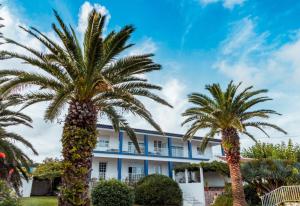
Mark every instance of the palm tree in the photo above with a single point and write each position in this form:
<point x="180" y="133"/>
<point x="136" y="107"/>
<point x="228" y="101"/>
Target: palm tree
<point x="229" y="113"/>
<point x="96" y="78"/>
<point x="16" y="160"/>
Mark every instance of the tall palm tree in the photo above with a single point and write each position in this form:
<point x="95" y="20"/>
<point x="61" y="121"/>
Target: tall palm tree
<point x="92" y="79"/>
<point x="229" y="113"/>
<point x="16" y="160"/>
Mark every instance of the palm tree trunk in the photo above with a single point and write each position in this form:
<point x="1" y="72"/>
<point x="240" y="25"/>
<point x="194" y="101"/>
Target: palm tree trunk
<point x="79" y="139"/>
<point x="231" y="145"/>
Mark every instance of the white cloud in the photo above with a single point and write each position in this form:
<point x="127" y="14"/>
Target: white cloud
<point x="229" y="4"/>
<point x="85" y="9"/>
<point x="245" y="55"/>
<point x="145" y="47"/>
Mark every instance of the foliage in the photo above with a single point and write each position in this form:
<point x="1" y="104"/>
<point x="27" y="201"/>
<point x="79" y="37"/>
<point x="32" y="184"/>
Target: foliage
<point x="226" y="199"/>
<point x="227" y="109"/>
<point x="113" y="193"/>
<point x="158" y="190"/>
<point x="229" y="113"/>
<point x="49" y="169"/>
<point x="252" y="197"/>
<point x="214" y="166"/>
<point x="96" y="73"/>
<point x="16" y="160"/>
<point x="267" y="174"/>
<point x="7" y="196"/>
<point x="39" y="201"/>
<point x="282" y="151"/>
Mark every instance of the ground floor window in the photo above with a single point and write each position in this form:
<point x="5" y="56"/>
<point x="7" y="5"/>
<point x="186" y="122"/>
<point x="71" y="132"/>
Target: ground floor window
<point x="135" y="173"/>
<point x="102" y="170"/>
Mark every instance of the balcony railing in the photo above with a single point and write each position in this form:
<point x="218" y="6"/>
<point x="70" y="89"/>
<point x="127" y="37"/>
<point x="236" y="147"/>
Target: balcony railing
<point x="106" y="148"/>
<point x="176" y="152"/>
<point x="159" y="152"/>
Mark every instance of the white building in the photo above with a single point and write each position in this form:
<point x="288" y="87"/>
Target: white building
<point x="116" y="157"/>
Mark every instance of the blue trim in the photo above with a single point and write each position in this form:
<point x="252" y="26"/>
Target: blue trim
<point x="146" y="166"/>
<point x="119" y="168"/>
<point x="151" y="132"/>
<point x="120" y="142"/>
<point x="170" y="169"/>
<point x="146" y="144"/>
<point x="142" y="155"/>
<point x="190" y="149"/>
<point x="170" y="146"/>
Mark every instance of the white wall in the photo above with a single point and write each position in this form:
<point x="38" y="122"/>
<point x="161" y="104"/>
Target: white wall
<point x="164" y="167"/>
<point x="112" y="167"/>
<point x="25" y="190"/>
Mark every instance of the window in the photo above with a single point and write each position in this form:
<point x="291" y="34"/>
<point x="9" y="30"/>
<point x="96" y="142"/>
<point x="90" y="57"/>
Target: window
<point x="103" y="143"/>
<point x="132" y="149"/>
<point x="159" y="147"/>
<point x="102" y="170"/>
<point x="135" y="173"/>
<point x="199" y="152"/>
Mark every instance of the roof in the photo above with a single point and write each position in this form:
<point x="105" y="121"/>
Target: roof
<point x="153" y="132"/>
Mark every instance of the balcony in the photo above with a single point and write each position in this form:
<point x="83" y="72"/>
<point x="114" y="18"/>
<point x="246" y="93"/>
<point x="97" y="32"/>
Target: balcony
<point x="159" y="152"/>
<point x="105" y="147"/>
<point x="177" y="152"/>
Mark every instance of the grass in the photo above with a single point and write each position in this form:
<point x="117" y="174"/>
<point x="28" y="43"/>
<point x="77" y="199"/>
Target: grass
<point x="39" y="201"/>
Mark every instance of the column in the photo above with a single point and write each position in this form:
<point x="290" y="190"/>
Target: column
<point x="146" y="144"/>
<point x="174" y="175"/>
<point x="170" y="146"/>
<point x="186" y="177"/>
<point x="202" y="197"/>
<point x="119" y="169"/>
<point x="146" y="167"/>
<point x="170" y="169"/>
<point x="190" y="149"/>
<point x="120" y="142"/>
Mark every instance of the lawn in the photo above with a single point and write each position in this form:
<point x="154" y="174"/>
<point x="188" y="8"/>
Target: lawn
<point x="39" y="201"/>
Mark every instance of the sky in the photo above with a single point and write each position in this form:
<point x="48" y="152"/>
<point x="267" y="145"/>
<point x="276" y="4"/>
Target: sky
<point x="197" y="42"/>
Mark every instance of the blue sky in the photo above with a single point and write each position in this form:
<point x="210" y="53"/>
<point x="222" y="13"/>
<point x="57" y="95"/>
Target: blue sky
<point x="196" y="41"/>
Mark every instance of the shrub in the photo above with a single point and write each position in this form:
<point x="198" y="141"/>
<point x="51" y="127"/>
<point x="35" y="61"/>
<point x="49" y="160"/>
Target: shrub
<point x="158" y="190"/>
<point x="7" y="196"/>
<point x="112" y="193"/>
<point x="226" y="199"/>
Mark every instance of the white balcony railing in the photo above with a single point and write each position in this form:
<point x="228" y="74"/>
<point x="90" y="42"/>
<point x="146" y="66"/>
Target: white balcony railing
<point x="177" y="152"/>
<point x="159" y="151"/>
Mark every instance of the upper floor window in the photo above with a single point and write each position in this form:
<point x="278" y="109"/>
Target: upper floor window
<point x="103" y="142"/>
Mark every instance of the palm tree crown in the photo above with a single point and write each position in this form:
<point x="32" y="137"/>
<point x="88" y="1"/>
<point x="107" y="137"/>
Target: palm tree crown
<point x="15" y="159"/>
<point x="95" y="72"/>
<point x="228" y="109"/>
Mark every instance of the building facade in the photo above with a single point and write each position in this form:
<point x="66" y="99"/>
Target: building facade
<point x="115" y="156"/>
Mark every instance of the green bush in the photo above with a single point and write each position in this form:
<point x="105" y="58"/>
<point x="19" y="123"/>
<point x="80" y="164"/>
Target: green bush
<point x="112" y="193"/>
<point x="158" y="190"/>
<point x="7" y="196"/>
<point x="226" y="199"/>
